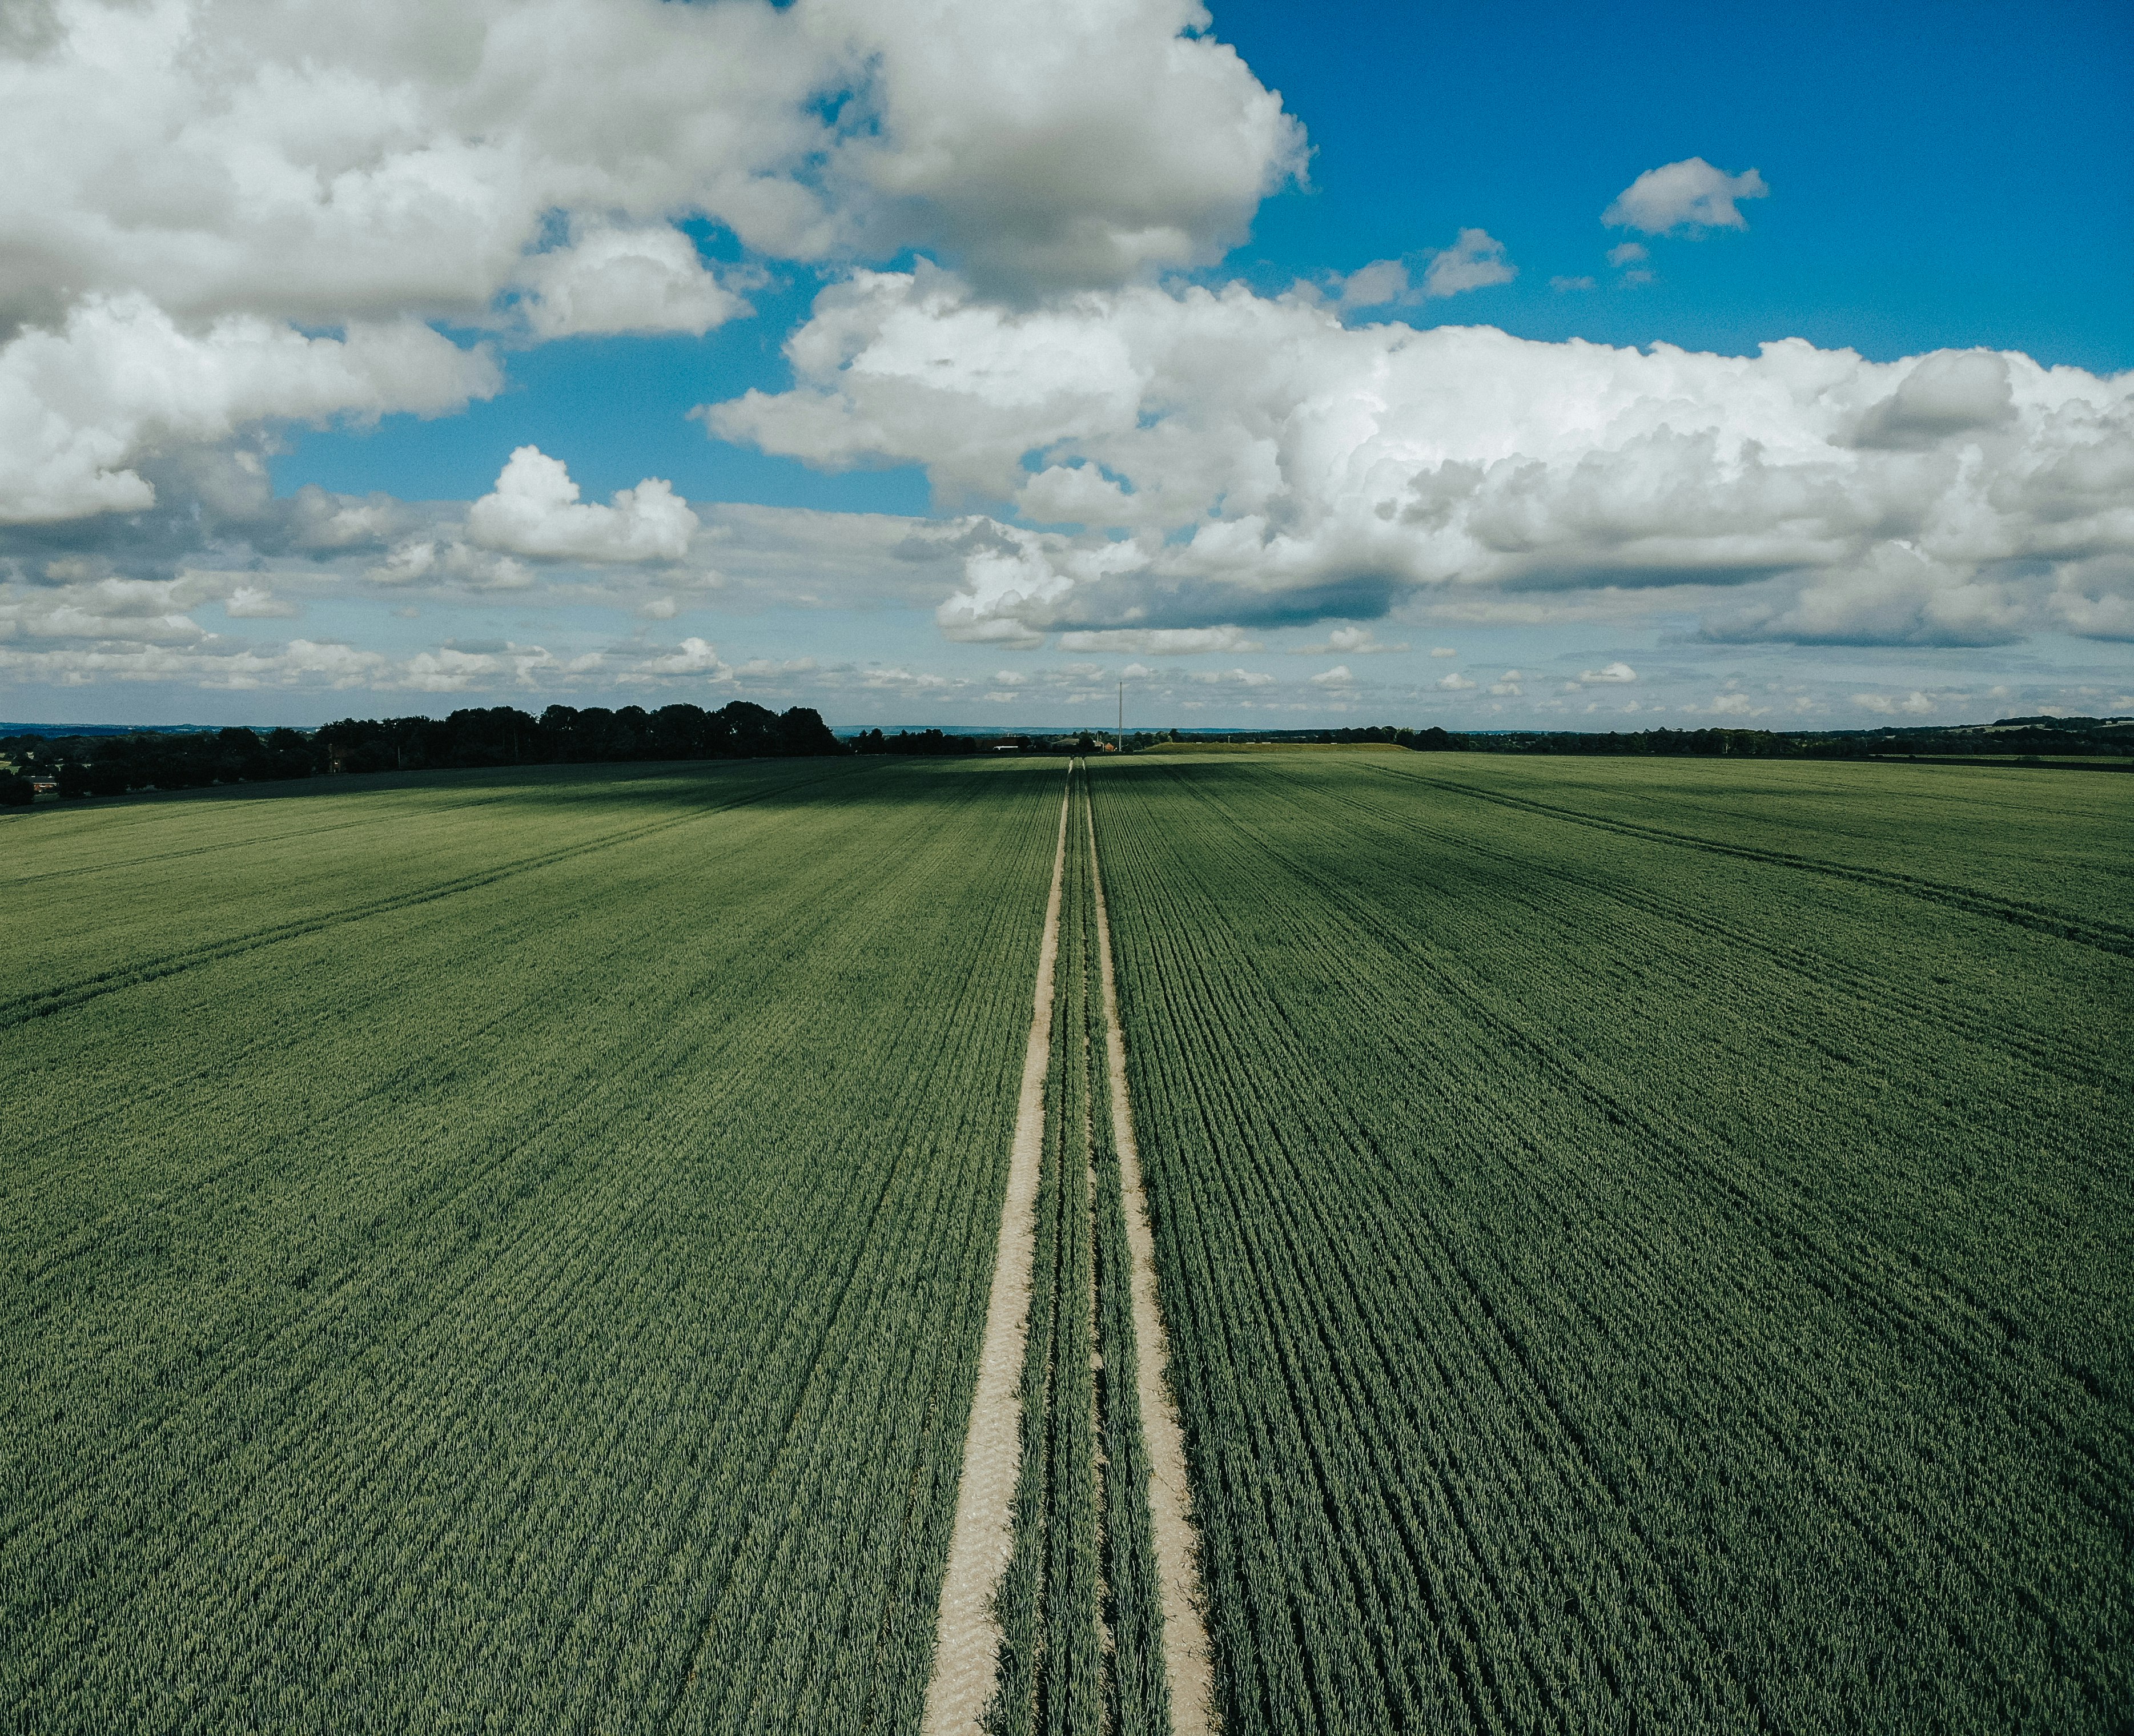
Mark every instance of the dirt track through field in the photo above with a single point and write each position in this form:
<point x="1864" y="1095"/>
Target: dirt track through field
<point x="1187" y="1659"/>
<point x="968" y="1635"/>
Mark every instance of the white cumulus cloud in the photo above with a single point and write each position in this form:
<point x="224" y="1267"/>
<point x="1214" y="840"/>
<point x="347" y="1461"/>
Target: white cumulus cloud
<point x="1269" y="465"/>
<point x="1475" y="261"/>
<point x="1350" y="641"/>
<point x="255" y="603"/>
<point x="692" y="657"/>
<point x="220" y="212"/>
<point x="615" y="280"/>
<point x="1687" y="194"/>
<point x="534" y="510"/>
<point x="1379" y="284"/>
<point x="1608" y="673"/>
<point x="82" y="403"/>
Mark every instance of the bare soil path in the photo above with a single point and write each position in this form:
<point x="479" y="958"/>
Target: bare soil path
<point x="1187" y="1659"/>
<point x="967" y="1636"/>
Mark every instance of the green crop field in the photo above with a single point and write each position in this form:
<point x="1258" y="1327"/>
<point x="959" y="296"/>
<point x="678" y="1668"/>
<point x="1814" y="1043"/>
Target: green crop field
<point x="1648" y="1245"/>
<point x="501" y="1254"/>
<point x="1645" y="1246"/>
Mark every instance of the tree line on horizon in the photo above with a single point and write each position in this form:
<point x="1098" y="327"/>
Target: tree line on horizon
<point x="498" y="735"/>
<point x="110" y="764"/>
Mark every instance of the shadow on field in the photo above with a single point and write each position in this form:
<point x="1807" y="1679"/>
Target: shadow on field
<point x="640" y="787"/>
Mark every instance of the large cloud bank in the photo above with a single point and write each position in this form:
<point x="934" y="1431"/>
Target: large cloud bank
<point x="1205" y="458"/>
<point x="197" y="190"/>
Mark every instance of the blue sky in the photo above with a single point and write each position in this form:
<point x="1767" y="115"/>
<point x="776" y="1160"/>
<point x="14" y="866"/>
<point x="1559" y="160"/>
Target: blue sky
<point x="1061" y="415"/>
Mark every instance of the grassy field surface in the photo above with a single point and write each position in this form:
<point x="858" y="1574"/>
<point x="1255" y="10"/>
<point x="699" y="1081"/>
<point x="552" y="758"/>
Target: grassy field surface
<point x="1647" y="1246"/>
<point x="502" y="1252"/>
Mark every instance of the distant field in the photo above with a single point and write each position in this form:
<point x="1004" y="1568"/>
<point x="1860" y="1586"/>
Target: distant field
<point x="1268" y="747"/>
<point x="1645" y="1245"/>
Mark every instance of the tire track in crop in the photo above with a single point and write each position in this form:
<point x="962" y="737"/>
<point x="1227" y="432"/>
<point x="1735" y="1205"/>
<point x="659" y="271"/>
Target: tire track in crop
<point x="2105" y="937"/>
<point x="967" y="1634"/>
<point x="43" y="1003"/>
<point x="1188" y="1661"/>
<point x="740" y="1587"/>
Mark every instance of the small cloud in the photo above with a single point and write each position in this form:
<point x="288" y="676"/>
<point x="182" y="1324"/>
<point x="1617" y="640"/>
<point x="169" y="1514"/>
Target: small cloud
<point x="692" y="657"/>
<point x="1506" y="689"/>
<point x="256" y="602"/>
<point x="1347" y="641"/>
<point x="1378" y="284"/>
<point x="1475" y="261"/>
<point x="1563" y="285"/>
<point x="659" y="608"/>
<point x="1630" y="252"/>
<point x="1731" y="704"/>
<point x="426" y="561"/>
<point x="1610" y="673"/>
<point x="1640" y="276"/>
<point x="1914" y="704"/>
<point x="534" y="510"/>
<point x="1336" y="677"/>
<point x="1160" y="641"/>
<point x="1691" y="195"/>
<point x="1009" y="677"/>
<point x="1443" y="651"/>
<point x="1455" y="682"/>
